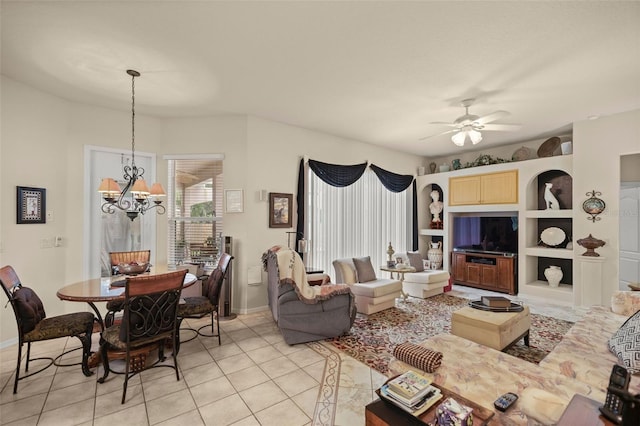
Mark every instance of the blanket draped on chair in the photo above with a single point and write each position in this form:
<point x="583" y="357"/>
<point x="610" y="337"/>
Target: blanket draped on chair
<point x="291" y="270"/>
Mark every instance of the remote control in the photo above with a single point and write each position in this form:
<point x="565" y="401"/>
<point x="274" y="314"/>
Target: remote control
<point x="505" y="401"/>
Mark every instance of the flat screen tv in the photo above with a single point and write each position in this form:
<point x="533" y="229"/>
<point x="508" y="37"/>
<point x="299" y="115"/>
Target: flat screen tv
<point x="486" y="233"/>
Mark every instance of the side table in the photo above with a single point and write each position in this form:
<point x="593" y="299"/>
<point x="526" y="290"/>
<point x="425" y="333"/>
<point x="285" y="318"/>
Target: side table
<point x="583" y="411"/>
<point x="400" y="271"/>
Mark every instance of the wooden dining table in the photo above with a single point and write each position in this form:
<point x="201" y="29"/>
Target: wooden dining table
<point x="105" y="289"/>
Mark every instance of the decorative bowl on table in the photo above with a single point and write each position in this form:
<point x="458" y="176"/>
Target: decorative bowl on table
<point x="132" y="268"/>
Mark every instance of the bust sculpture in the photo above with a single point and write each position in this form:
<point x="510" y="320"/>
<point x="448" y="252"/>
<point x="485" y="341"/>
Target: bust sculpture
<point x="436" y="206"/>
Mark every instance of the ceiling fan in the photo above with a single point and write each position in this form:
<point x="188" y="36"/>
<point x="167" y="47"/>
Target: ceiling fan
<point x="470" y="125"/>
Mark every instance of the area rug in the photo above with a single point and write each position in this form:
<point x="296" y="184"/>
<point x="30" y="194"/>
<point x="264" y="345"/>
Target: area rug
<point x="372" y="338"/>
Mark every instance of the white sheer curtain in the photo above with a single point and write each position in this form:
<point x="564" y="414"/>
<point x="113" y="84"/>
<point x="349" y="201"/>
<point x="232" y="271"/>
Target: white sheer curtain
<point x="355" y="221"/>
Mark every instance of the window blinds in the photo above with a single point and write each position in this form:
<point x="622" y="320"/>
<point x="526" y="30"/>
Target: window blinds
<point x="194" y="210"/>
<point x="355" y="221"/>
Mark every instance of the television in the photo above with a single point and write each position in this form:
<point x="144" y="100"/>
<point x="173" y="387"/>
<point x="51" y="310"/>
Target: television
<point x="486" y="233"/>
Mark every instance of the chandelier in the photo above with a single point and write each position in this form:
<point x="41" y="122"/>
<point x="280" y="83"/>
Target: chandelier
<point x="135" y="198"/>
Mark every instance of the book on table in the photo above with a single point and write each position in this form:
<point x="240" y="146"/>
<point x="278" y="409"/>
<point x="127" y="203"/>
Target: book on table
<point x="421" y="405"/>
<point x="496" y="301"/>
<point x="409" y="385"/>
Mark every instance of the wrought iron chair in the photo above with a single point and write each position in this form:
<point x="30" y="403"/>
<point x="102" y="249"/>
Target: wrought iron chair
<point x="116" y="258"/>
<point x="207" y="304"/>
<point x="149" y="322"/>
<point x="34" y="326"/>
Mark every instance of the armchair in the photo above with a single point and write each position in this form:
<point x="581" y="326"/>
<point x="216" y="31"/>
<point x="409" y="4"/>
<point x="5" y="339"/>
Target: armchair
<point x="305" y="313"/>
<point x="372" y="294"/>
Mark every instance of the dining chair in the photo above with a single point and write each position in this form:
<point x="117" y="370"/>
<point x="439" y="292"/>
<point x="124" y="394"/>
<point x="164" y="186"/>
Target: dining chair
<point x="34" y="325"/>
<point x="149" y="322"/>
<point x="200" y="306"/>
<point x="116" y="258"/>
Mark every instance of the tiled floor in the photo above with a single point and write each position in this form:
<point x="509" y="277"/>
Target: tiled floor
<point x="254" y="378"/>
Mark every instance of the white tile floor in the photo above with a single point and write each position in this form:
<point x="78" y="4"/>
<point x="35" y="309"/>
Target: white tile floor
<point x="254" y="378"/>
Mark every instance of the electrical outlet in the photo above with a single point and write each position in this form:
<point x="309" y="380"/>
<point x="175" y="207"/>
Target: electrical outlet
<point x="50" y="216"/>
<point x="58" y="241"/>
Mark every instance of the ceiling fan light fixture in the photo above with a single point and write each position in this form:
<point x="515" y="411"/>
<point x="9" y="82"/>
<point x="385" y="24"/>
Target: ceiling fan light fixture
<point x="475" y="136"/>
<point x="459" y="138"/>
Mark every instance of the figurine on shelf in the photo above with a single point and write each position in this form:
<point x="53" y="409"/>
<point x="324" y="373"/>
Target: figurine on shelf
<point x="550" y="200"/>
<point x="436" y="208"/>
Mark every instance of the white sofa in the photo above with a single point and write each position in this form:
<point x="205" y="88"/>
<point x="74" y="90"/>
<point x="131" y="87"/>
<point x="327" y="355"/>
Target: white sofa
<point x="422" y="283"/>
<point x="371" y="296"/>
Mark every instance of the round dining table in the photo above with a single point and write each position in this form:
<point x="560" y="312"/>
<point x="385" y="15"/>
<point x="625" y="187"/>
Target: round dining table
<point x="105" y="289"/>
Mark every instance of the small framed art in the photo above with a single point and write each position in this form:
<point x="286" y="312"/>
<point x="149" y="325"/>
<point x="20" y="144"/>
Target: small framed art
<point x="280" y="206"/>
<point x="31" y="205"/>
<point x="234" y="201"/>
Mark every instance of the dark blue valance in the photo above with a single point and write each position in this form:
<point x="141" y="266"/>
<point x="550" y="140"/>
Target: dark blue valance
<point x="337" y="175"/>
<point x="392" y="181"/>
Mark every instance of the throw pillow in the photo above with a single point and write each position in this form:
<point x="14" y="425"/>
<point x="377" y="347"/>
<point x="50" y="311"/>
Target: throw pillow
<point x="625" y="343"/>
<point x="364" y="269"/>
<point x="30" y="309"/>
<point x="415" y="260"/>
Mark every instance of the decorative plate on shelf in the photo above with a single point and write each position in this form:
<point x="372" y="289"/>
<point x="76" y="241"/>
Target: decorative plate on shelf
<point x="553" y="236"/>
<point x="521" y="154"/>
<point x="548" y="147"/>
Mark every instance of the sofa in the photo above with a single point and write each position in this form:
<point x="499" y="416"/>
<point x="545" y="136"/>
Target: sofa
<point x="423" y="283"/>
<point x="305" y="313"/>
<point x="581" y="363"/>
<point x="372" y="294"/>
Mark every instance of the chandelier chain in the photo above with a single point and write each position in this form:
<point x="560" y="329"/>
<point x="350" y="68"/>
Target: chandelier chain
<point x="133" y="120"/>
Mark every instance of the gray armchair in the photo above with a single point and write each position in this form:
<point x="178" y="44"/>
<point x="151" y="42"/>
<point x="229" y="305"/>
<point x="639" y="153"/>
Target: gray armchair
<point x="303" y="319"/>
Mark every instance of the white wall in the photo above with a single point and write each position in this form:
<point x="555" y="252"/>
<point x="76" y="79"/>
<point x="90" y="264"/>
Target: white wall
<point x="598" y="145"/>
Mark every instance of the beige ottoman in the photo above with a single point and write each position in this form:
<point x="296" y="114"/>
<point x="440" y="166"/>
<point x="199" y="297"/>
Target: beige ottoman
<point x="497" y="330"/>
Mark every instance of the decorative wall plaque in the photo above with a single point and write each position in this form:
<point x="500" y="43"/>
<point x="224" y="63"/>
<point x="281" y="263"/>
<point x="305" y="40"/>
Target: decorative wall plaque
<point x="593" y="205"/>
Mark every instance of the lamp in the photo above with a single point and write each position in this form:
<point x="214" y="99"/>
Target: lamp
<point x="474" y="135"/>
<point x="141" y="198"/>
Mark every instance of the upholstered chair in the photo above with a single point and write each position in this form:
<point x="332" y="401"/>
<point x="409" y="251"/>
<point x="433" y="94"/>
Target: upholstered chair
<point x="149" y="322"/>
<point x="116" y="258"/>
<point x="34" y="325"/>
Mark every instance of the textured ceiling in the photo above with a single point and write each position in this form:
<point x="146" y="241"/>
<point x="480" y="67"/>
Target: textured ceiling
<point x="379" y="72"/>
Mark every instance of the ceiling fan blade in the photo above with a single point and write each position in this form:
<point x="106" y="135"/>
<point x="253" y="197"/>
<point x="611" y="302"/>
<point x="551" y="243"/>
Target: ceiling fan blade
<point x="444" y="123"/>
<point x="438" y="134"/>
<point x="491" y="117"/>
<point x="502" y="127"/>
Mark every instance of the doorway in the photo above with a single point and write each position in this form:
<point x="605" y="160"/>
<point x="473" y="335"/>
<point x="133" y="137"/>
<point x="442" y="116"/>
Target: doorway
<point x="105" y="232"/>
<point x="629" y="221"/>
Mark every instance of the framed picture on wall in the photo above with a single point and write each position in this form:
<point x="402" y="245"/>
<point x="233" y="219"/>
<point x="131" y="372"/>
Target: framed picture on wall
<point x="280" y="206"/>
<point x="234" y="201"/>
<point x="31" y="205"/>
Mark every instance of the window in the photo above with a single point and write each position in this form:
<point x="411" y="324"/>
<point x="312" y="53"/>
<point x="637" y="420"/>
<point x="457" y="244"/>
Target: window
<point x="354" y="221"/>
<point x="194" y="209"/>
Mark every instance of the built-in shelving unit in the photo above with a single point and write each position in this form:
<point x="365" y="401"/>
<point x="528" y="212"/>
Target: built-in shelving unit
<point x="533" y="217"/>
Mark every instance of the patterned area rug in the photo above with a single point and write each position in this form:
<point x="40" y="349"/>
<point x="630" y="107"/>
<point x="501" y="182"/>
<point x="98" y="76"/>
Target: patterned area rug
<point x="373" y="338"/>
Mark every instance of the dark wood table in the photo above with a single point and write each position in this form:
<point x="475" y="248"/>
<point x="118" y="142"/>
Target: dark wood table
<point x="583" y="411"/>
<point x="100" y="289"/>
<point x="384" y="413"/>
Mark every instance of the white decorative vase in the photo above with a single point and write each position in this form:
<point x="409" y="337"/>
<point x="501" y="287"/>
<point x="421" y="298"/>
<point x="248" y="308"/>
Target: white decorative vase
<point x="553" y="275"/>
<point x="434" y="254"/>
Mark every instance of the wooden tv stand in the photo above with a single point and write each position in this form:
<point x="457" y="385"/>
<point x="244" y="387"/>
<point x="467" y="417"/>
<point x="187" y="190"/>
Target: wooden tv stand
<point x="495" y="272"/>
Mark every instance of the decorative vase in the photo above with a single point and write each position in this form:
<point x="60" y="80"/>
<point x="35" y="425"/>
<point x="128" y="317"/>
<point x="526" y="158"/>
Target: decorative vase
<point x="432" y="167"/>
<point x="553" y="274"/>
<point x="434" y="254"/>
<point x="590" y="243"/>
